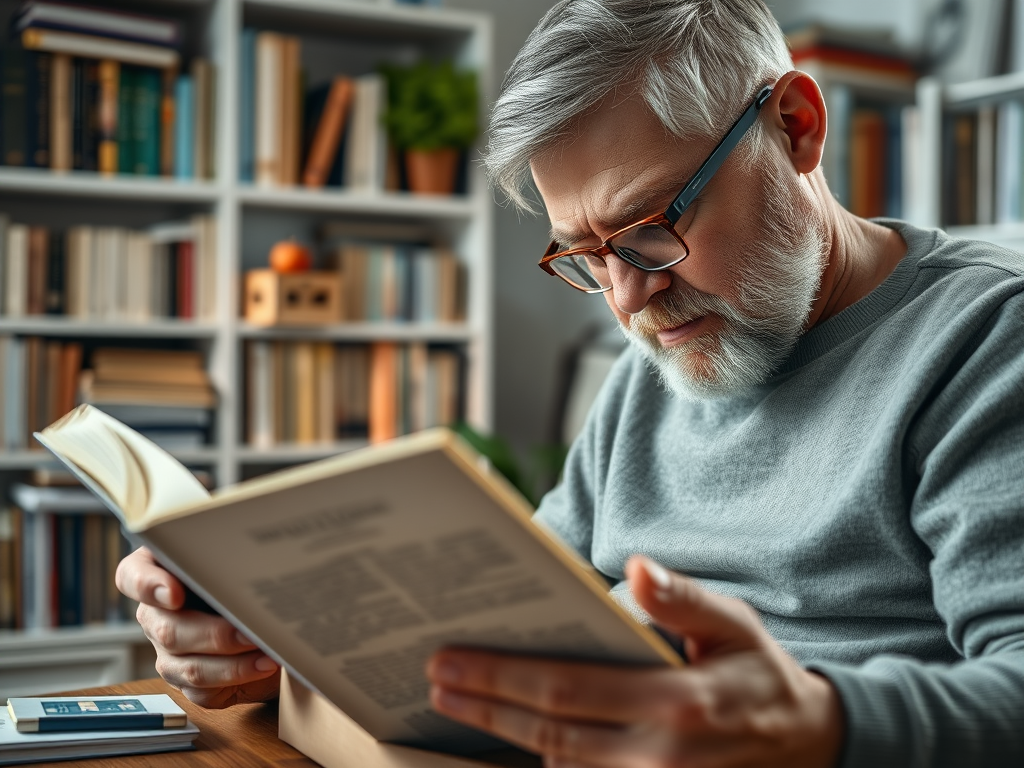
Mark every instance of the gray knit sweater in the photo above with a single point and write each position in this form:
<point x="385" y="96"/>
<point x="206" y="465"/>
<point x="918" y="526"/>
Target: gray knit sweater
<point x="868" y="501"/>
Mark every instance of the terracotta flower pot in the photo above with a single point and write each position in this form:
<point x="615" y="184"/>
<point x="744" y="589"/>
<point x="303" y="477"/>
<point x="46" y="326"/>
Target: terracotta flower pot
<point x="431" y="172"/>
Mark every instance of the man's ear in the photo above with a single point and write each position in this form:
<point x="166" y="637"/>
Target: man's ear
<point x="799" y="116"/>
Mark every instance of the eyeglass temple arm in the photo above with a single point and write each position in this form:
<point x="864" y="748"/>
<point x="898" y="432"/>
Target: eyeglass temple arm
<point x="712" y="164"/>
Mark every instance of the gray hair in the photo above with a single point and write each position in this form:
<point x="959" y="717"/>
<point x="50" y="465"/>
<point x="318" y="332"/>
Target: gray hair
<point x="691" y="60"/>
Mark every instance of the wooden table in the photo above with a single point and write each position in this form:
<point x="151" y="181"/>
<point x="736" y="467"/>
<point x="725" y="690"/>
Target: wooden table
<point x="237" y="737"/>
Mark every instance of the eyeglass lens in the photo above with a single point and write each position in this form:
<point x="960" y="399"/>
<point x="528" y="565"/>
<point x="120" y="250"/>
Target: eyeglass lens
<point x="649" y="246"/>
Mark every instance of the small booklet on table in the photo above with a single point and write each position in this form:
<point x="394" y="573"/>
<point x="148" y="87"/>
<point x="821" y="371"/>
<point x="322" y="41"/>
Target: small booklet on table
<point x="350" y="572"/>
<point x="34" y="730"/>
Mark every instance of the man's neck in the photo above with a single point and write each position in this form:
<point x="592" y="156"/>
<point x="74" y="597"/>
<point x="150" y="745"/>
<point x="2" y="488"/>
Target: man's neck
<point x="861" y="256"/>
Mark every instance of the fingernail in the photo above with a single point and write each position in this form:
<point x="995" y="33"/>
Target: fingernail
<point x="265" y="664"/>
<point x="658" y="575"/>
<point x="163" y="596"/>
<point x="448" y="701"/>
<point x="447" y="671"/>
<point x="242" y="639"/>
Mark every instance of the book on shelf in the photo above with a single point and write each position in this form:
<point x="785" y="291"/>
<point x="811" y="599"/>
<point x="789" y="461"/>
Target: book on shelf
<point x="307" y="392"/>
<point x="447" y="548"/>
<point x="110" y="273"/>
<point x="63" y="553"/>
<point x="329" y="128"/>
<point x="40" y="381"/>
<point x="102" y="100"/>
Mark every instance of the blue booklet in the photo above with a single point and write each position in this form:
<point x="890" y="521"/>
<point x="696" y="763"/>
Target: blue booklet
<point x="97" y="713"/>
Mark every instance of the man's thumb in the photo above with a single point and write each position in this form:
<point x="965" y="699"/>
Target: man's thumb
<point x="710" y="623"/>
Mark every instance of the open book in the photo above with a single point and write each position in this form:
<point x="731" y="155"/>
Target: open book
<point x="351" y="571"/>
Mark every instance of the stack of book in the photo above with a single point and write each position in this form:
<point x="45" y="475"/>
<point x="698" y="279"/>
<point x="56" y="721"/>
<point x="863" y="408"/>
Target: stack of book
<point x="99" y="90"/>
<point x="307" y="392"/>
<point x="399" y="282"/>
<point x="164" y="394"/>
<point x="330" y="135"/>
<point x="109" y="273"/>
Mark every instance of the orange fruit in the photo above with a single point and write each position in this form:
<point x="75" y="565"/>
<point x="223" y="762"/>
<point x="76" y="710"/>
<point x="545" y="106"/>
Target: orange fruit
<point x="290" y="256"/>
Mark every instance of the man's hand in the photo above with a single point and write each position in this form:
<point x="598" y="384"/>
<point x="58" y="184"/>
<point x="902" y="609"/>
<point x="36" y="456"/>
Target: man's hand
<point x="201" y="654"/>
<point x="741" y="701"/>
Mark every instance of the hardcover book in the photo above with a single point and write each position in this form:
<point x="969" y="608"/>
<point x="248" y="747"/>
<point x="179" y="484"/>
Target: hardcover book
<point x="351" y="572"/>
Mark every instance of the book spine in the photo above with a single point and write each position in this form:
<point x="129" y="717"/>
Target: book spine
<point x="109" y="24"/>
<point x="168" y="116"/>
<point x="15" y="105"/>
<point x="90" y="136"/>
<point x="69" y="570"/>
<point x="202" y="76"/>
<point x="61" y="142"/>
<point x="77" y="111"/>
<point x="109" y="101"/>
<point x="38" y="263"/>
<point x="184" y="128"/>
<point x="55" y="277"/>
<point x="247" y="108"/>
<point x="268" y="105"/>
<point x="186" y="280"/>
<point x="146" y="122"/>
<point x="40" y="75"/>
<point x="127" y="97"/>
<point x="327" y="139"/>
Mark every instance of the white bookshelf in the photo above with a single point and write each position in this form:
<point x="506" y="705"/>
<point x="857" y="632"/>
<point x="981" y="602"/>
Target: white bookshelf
<point x="934" y="100"/>
<point x="354" y="36"/>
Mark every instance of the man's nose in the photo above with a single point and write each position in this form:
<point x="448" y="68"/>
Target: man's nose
<point x="632" y="288"/>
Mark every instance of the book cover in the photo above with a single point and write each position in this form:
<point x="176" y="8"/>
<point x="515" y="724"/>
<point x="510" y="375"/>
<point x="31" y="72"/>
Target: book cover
<point x="52" y="714"/>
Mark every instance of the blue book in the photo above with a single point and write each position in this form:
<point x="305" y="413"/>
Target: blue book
<point x="247" y="108"/>
<point x="184" y="127"/>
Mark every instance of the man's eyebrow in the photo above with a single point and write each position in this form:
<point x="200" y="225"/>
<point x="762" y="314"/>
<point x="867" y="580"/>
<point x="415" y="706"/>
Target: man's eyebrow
<point x="629" y="213"/>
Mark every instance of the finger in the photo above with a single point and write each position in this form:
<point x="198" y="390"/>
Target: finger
<point x="197" y="672"/>
<point x="676" y="603"/>
<point x="250" y="693"/>
<point x="141" y="578"/>
<point x="191" y="632"/>
<point x="563" y="689"/>
<point x="560" y="742"/>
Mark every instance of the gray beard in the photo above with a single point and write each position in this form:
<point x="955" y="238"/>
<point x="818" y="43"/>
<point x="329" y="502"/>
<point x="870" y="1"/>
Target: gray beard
<point x="777" y="288"/>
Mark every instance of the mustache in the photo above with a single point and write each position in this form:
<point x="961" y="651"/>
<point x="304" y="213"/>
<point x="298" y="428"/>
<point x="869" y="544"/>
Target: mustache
<point x="670" y="309"/>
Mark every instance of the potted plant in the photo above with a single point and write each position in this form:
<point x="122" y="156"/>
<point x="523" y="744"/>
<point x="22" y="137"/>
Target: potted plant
<point x="431" y="117"/>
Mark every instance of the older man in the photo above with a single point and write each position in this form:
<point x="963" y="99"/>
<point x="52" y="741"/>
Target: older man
<point x="821" y="423"/>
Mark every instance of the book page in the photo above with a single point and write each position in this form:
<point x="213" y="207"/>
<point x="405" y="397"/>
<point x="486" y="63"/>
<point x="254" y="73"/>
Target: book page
<point x="352" y="580"/>
<point x="137" y="478"/>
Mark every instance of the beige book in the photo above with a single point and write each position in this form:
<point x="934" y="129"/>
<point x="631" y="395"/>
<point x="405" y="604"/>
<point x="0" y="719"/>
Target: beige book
<point x="60" y="112"/>
<point x="350" y="572"/>
<point x="269" y="55"/>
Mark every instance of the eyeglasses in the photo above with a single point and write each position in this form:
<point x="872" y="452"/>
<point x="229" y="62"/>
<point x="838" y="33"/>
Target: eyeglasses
<point x="651" y="244"/>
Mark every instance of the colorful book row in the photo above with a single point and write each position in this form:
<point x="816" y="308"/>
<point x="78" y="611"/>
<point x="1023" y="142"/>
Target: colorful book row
<point x="309" y="392"/>
<point x="57" y="570"/>
<point x="109" y="273"/>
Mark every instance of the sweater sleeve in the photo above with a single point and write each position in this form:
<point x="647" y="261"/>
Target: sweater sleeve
<point x="967" y="453"/>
